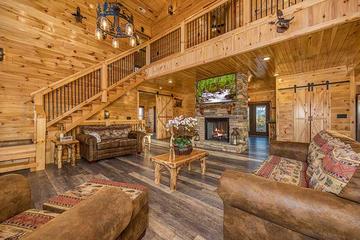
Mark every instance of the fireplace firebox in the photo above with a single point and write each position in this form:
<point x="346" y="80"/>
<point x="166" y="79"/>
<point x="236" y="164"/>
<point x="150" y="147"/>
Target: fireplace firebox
<point x="217" y="129"/>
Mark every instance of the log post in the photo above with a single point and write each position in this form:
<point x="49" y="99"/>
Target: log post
<point x="40" y="133"/>
<point x="247" y="11"/>
<point x="148" y="55"/>
<point x="182" y="36"/>
<point x="104" y="83"/>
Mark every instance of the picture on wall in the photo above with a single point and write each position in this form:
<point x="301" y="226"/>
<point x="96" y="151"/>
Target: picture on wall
<point x="217" y="89"/>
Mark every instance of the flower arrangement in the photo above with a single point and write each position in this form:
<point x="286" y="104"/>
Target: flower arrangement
<point x="182" y="130"/>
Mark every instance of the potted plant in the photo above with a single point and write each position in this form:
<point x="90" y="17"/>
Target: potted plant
<point x="182" y="131"/>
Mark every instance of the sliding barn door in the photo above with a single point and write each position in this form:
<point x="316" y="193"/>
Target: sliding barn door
<point x="164" y="108"/>
<point x="320" y="110"/>
<point x="302" y="103"/>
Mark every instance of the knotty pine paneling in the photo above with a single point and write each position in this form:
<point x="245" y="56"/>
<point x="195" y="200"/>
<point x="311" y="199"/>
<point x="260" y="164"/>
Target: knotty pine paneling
<point x="44" y="44"/>
<point x="338" y="96"/>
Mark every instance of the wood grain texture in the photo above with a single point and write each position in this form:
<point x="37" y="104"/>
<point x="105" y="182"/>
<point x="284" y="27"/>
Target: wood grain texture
<point x="44" y="44"/>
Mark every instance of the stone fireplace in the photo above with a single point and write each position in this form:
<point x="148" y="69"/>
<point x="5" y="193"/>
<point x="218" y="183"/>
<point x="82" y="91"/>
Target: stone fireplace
<point x="217" y="121"/>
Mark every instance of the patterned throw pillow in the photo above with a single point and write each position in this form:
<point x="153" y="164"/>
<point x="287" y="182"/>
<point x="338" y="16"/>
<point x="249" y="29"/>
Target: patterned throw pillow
<point x="336" y="169"/>
<point x="94" y="134"/>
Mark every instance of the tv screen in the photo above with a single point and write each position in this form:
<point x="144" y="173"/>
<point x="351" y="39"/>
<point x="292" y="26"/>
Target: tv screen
<point x="216" y="90"/>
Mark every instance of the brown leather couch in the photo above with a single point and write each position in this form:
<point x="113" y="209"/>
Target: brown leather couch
<point x="259" y="208"/>
<point x="102" y="142"/>
<point x="108" y="214"/>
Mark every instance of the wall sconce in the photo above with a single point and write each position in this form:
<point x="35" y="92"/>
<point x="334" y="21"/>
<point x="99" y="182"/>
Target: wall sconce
<point x="106" y="114"/>
<point x="2" y="54"/>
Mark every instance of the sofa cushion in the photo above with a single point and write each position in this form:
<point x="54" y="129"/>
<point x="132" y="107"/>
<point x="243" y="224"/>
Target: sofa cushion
<point x="94" y="134"/>
<point x="67" y="200"/>
<point x="336" y="168"/>
<point x="284" y="170"/>
<point x="114" y="143"/>
<point x="109" y="132"/>
<point x="24" y="223"/>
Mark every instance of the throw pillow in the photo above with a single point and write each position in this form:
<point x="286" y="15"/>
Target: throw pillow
<point x="336" y="168"/>
<point x="94" y="134"/>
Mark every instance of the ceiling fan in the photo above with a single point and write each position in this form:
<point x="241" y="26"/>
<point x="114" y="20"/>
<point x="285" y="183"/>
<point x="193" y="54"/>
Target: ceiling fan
<point x="281" y="23"/>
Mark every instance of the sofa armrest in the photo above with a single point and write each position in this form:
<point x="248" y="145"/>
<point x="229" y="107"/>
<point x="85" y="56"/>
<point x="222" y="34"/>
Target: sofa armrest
<point x="139" y="136"/>
<point x="102" y="217"/>
<point x="15" y="196"/>
<point x="316" y="214"/>
<point x="292" y="150"/>
<point x="86" y="139"/>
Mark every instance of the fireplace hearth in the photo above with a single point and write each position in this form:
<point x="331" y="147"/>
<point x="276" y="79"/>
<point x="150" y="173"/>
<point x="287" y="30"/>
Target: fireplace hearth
<point x="217" y="129"/>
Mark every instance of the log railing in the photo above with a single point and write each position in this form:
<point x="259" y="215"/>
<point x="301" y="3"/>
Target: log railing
<point x="222" y="19"/>
<point x="263" y="8"/>
<point x="166" y="46"/>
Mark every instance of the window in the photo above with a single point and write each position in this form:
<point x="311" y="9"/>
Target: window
<point x="141" y="113"/>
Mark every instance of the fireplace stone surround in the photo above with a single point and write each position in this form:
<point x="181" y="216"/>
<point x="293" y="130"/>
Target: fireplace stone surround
<point x="237" y="113"/>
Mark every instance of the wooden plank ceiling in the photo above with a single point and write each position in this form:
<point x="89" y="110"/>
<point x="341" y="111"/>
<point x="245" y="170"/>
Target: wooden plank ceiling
<point x="332" y="47"/>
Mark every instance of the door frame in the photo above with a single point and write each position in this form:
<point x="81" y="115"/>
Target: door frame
<point x="268" y="105"/>
<point x="357" y="113"/>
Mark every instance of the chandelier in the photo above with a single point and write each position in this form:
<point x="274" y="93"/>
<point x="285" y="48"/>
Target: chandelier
<point x="116" y="21"/>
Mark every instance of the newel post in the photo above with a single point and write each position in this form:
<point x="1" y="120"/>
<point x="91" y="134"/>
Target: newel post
<point x="183" y="36"/>
<point x="247" y="11"/>
<point x="104" y="82"/>
<point x="40" y="132"/>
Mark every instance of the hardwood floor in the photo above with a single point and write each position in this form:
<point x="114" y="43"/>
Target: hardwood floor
<point x="194" y="211"/>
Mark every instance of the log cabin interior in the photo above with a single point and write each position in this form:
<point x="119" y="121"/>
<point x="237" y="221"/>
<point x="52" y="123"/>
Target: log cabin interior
<point x="169" y="119"/>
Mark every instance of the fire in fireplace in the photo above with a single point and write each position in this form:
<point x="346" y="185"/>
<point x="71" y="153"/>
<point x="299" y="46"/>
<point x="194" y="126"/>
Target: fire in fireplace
<point x="217" y="129"/>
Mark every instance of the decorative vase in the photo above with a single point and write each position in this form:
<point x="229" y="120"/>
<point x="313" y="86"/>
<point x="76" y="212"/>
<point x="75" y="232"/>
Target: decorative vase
<point x="186" y="150"/>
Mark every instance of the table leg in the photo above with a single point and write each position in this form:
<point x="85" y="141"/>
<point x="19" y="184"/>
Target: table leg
<point x="70" y="153"/>
<point x="157" y="173"/>
<point x="189" y="167"/>
<point x="173" y="176"/>
<point x="203" y="165"/>
<point x="73" y="154"/>
<point x="59" y="156"/>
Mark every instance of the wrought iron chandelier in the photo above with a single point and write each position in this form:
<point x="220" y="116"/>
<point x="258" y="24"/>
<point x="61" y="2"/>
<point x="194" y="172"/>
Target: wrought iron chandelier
<point x="116" y="21"/>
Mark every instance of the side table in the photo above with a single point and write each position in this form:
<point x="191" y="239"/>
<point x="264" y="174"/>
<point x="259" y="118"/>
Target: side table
<point x="71" y="146"/>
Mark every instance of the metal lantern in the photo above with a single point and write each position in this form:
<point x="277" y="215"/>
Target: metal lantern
<point x="235" y="137"/>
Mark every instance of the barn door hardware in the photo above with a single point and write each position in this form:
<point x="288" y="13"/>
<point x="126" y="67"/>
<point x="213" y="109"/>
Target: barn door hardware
<point x="2" y="54"/>
<point x="327" y="85"/>
<point x="310" y="86"/>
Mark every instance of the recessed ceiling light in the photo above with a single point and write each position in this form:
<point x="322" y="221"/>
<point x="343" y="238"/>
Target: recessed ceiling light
<point x="160" y="87"/>
<point x="267" y="59"/>
<point x="170" y="81"/>
<point x="276" y="75"/>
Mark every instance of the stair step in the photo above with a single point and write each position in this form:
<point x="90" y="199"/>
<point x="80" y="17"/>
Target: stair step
<point x="17" y="152"/>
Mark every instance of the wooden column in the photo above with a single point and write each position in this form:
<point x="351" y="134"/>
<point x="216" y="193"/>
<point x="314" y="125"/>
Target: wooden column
<point x="353" y="104"/>
<point x="182" y="37"/>
<point x="104" y="83"/>
<point x="40" y="132"/>
<point x="247" y="11"/>
<point x="148" y="56"/>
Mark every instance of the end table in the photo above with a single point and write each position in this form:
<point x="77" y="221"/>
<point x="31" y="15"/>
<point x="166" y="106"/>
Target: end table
<point x="71" y="146"/>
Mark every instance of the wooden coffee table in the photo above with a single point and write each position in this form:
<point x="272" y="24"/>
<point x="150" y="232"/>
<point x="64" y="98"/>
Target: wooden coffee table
<point x="163" y="161"/>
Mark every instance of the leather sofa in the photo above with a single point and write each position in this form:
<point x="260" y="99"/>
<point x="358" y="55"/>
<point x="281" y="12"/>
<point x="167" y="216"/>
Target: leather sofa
<point x="107" y="214"/>
<point x="102" y="142"/>
<point x="256" y="207"/>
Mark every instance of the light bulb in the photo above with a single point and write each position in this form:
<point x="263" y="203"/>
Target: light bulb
<point x="115" y="43"/>
<point x="132" y="41"/>
<point x="98" y="34"/>
<point x="104" y="23"/>
<point x="129" y="29"/>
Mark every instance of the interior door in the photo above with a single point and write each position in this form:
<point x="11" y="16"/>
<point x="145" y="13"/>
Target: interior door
<point x="320" y="110"/>
<point x="258" y="119"/>
<point x="164" y="108"/>
<point x="302" y="103"/>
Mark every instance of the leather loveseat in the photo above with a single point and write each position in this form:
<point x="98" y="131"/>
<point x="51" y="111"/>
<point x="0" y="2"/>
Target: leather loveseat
<point x="102" y="142"/>
<point x="103" y="210"/>
<point x="304" y="191"/>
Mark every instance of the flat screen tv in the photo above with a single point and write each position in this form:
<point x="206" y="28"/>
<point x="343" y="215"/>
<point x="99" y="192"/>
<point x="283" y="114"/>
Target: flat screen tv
<point x="216" y="90"/>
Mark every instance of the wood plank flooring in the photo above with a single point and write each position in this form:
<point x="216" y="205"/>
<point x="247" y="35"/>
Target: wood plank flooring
<point x="194" y="211"/>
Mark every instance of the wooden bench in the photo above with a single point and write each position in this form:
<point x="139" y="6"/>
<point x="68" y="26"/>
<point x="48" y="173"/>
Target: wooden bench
<point x="13" y="158"/>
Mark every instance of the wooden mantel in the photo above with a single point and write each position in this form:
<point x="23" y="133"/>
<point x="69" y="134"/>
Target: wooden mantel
<point x="310" y="16"/>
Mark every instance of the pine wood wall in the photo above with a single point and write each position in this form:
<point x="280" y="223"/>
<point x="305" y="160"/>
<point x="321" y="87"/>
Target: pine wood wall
<point x="43" y="44"/>
<point x="328" y="105"/>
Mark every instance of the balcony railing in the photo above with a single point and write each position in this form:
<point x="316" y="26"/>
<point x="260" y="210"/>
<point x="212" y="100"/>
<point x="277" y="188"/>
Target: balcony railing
<point x="263" y="8"/>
